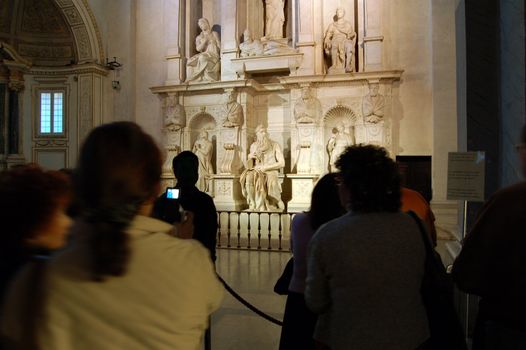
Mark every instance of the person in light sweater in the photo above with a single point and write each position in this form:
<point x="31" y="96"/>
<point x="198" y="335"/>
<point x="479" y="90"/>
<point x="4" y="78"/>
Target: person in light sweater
<point x="125" y="282"/>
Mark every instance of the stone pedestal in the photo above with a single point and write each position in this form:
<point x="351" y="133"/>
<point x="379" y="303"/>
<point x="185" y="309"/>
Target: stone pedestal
<point x="231" y="161"/>
<point x="371" y="133"/>
<point x="228" y="196"/>
<point x="173" y="140"/>
<point x="302" y="185"/>
<point x="305" y="145"/>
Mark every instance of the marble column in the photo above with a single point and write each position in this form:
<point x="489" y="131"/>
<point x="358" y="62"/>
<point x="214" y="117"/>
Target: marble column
<point x="370" y="31"/>
<point x="229" y="39"/>
<point x="174" y="22"/>
<point x="15" y="151"/>
<point x="305" y="41"/>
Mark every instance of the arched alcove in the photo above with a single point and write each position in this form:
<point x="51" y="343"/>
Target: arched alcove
<point x="204" y="122"/>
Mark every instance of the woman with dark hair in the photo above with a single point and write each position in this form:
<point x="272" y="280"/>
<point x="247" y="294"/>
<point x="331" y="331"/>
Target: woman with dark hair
<point x="125" y="282"/>
<point x="299" y="321"/>
<point x="32" y="212"/>
<point x="365" y="269"/>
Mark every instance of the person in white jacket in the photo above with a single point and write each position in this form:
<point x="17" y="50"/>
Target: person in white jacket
<point x="125" y="282"/>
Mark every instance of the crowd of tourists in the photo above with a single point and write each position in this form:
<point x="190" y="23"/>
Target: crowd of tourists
<point x="101" y="258"/>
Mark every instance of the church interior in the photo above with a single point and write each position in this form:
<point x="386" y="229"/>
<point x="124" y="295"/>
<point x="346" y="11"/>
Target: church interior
<point x="282" y="87"/>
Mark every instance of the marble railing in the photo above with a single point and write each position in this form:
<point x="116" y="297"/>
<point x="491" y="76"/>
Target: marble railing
<point x="251" y="230"/>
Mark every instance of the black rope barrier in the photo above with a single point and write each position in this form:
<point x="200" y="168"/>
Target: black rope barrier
<point x="248" y="305"/>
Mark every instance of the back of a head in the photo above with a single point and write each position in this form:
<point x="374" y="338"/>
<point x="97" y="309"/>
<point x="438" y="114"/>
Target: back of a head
<point x="29" y="196"/>
<point x="119" y="170"/>
<point x="186" y="168"/>
<point x="325" y="201"/>
<point x="371" y="178"/>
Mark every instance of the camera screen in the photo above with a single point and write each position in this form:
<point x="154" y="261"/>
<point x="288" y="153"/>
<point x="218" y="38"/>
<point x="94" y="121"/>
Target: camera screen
<point x="172" y="193"/>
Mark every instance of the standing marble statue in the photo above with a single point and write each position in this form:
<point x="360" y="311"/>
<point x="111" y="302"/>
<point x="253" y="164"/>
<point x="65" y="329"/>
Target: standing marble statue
<point x="233" y="112"/>
<point x="339" y="42"/>
<point x="250" y="47"/>
<point x="373" y="105"/>
<point x="260" y="182"/>
<point x="274" y="18"/>
<point x="308" y="108"/>
<point x="340" y="140"/>
<point x="205" y="66"/>
<point x="203" y="149"/>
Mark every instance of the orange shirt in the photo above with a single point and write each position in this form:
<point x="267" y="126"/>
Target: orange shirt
<point x="412" y="200"/>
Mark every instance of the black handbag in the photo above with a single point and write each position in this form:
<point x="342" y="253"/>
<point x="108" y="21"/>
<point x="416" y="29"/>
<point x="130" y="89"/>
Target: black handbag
<point x="282" y="284"/>
<point x="437" y="294"/>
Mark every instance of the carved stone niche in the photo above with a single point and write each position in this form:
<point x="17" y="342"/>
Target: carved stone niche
<point x="338" y="133"/>
<point x="199" y="123"/>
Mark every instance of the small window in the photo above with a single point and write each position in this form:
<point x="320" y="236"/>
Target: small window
<point x="51" y="113"/>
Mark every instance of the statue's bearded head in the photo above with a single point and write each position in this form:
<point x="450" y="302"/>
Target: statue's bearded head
<point x="373" y="89"/>
<point x="231" y="97"/>
<point x="262" y="139"/>
<point x="305" y="93"/>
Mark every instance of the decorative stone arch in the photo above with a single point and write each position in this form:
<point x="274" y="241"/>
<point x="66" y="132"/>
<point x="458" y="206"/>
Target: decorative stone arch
<point x="85" y="31"/>
<point x="339" y="113"/>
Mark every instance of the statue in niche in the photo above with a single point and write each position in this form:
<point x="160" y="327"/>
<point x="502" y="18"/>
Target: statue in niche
<point x="259" y="182"/>
<point x="308" y="109"/>
<point x="373" y="105"/>
<point x="233" y="112"/>
<point x="250" y="47"/>
<point x="203" y="149"/>
<point x="174" y="114"/>
<point x="274" y="19"/>
<point x="205" y="66"/>
<point x="339" y="42"/>
<point x="341" y="138"/>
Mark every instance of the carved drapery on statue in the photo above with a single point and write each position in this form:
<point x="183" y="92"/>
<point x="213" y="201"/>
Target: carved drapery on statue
<point x="203" y="149"/>
<point x="373" y="105"/>
<point x="205" y="66"/>
<point x="274" y="19"/>
<point x="307" y="109"/>
<point x="260" y="181"/>
<point x="339" y="43"/>
<point x="342" y="137"/>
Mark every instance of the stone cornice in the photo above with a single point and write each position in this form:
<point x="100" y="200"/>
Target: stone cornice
<point x="283" y="83"/>
<point x="78" y="69"/>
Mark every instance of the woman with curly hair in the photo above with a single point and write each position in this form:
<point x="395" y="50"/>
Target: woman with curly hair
<point x="365" y="268"/>
<point x="125" y="282"/>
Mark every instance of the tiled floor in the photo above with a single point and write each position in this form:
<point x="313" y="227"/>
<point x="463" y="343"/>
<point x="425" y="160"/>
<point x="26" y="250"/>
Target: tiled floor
<point x="251" y="274"/>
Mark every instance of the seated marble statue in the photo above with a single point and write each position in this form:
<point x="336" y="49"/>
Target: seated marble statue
<point x="373" y="105"/>
<point x="205" y="66"/>
<point x="174" y="115"/>
<point x="250" y="47"/>
<point x="233" y="112"/>
<point x="339" y="42"/>
<point x="260" y="182"/>
<point x="339" y="141"/>
<point x="203" y="149"/>
<point x="308" y="108"/>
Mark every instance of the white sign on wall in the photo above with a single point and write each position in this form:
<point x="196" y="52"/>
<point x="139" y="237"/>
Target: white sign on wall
<point x="466" y="176"/>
